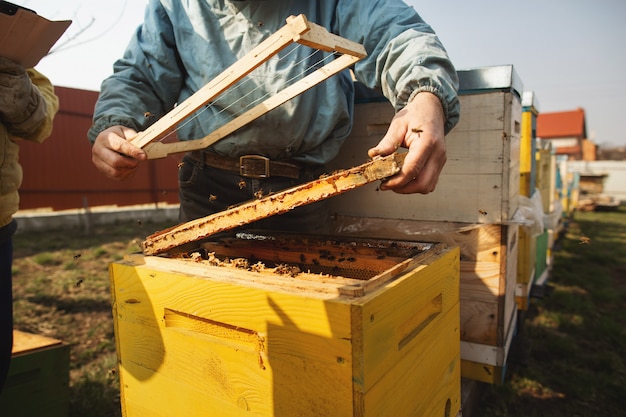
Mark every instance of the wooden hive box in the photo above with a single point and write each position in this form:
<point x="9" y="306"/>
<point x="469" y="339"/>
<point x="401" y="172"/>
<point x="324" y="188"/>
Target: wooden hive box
<point x="480" y="182"/>
<point x="488" y="270"/>
<point x="370" y="329"/>
<point x="546" y="177"/>
<point x="528" y="143"/>
<point x="38" y="380"/>
<point x="526" y="263"/>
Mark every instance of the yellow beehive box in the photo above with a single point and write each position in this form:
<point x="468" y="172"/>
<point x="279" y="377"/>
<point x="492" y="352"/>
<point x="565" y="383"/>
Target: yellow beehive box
<point x="290" y="327"/>
<point x="480" y="182"/>
<point x="488" y="280"/>
<point x="528" y="143"/>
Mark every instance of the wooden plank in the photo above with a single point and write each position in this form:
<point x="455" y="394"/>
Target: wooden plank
<point x="273" y="204"/>
<point x="24" y="343"/>
<point x="297" y="29"/>
<point x="480" y="182"/>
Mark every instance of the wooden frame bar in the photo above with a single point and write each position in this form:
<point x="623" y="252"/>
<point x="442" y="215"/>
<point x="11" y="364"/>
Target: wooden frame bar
<point x="274" y="204"/>
<point x="297" y="30"/>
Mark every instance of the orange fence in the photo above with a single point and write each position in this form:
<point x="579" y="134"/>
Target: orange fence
<point x="59" y="174"/>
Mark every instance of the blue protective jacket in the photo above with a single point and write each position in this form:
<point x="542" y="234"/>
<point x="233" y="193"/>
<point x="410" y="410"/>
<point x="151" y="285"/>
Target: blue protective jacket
<point x="182" y="45"/>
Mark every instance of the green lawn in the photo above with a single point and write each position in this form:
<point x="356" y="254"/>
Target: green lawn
<point x="572" y="341"/>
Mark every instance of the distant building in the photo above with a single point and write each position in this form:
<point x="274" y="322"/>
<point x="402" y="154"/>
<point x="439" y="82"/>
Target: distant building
<point x="612" y="154"/>
<point x="567" y="131"/>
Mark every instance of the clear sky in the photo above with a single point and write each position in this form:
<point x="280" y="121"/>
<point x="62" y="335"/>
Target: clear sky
<point x="570" y="53"/>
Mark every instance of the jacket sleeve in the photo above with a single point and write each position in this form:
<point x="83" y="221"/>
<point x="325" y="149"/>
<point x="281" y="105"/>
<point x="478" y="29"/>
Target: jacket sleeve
<point x="405" y="56"/>
<point x="145" y="81"/>
<point x="38" y="126"/>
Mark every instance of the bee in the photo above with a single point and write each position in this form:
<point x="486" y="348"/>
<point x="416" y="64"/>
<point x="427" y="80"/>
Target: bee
<point x="180" y="165"/>
<point x="148" y="115"/>
<point x="584" y="240"/>
<point x="259" y="194"/>
<point x="483" y="212"/>
<point x="79" y="282"/>
<point x="139" y="222"/>
<point x="77" y="256"/>
<point x="242" y="184"/>
<point x="212" y="197"/>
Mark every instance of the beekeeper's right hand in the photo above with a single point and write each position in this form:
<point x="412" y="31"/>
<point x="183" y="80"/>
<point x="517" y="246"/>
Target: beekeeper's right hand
<point x="114" y="155"/>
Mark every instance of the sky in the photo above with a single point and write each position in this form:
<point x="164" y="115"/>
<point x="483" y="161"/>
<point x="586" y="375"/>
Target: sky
<point x="569" y="53"/>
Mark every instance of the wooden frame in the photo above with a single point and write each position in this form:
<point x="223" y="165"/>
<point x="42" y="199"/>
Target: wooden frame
<point x="273" y="204"/>
<point x="297" y="30"/>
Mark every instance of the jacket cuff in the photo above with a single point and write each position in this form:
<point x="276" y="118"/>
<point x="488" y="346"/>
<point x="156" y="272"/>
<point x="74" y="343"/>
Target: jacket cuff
<point x="107" y="122"/>
<point x="451" y="117"/>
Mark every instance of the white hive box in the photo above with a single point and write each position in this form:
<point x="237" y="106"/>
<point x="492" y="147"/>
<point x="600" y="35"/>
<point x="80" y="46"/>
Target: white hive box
<point x="480" y="182"/>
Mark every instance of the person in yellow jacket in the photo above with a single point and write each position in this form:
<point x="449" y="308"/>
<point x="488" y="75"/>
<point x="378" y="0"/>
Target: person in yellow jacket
<point x="27" y="108"/>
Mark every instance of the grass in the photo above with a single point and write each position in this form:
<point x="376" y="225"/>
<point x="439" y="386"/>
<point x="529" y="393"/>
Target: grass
<point x="61" y="290"/>
<point x="573" y="340"/>
<point x="575" y="337"/>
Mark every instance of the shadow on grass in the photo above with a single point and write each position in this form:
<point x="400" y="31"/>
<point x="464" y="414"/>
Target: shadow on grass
<point x="72" y="305"/>
<point x="93" y="398"/>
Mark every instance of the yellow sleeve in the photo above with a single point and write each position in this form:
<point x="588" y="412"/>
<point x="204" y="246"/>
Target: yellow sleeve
<point x="46" y="88"/>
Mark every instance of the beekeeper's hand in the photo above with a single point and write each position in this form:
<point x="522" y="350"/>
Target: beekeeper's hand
<point x="114" y="155"/>
<point x="420" y="128"/>
<point x="22" y="107"/>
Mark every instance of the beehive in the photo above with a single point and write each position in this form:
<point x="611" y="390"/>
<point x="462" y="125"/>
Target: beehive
<point x="528" y="143"/>
<point x="290" y="326"/>
<point x="38" y="379"/>
<point x="480" y="182"/>
<point x="488" y="267"/>
<point x="478" y="190"/>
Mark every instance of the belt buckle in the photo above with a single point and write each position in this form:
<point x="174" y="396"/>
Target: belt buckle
<point x="244" y="168"/>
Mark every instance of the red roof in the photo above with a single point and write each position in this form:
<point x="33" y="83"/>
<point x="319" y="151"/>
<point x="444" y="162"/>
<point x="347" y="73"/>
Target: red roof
<point x="565" y="124"/>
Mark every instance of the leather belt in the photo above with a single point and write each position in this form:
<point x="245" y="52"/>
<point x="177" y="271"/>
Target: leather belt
<point x="249" y="166"/>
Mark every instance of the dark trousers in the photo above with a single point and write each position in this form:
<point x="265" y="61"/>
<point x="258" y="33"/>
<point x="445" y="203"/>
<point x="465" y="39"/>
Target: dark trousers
<point x="205" y="190"/>
<point x="6" y="299"/>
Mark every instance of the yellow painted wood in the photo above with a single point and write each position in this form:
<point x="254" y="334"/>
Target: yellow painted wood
<point x="488" y="268"/>
<point x="489" y="374"/>
<point x="527" y="153"/>
<point x="234" y="342"/>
